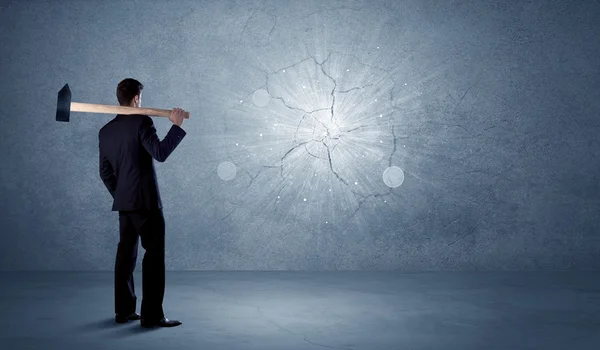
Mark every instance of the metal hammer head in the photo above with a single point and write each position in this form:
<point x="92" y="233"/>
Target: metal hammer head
<point x="63" y="106"/>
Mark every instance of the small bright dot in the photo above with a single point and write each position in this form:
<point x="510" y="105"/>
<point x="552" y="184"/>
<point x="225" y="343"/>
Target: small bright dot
<point x="315" y="174"/>
<point x="381" y="116"/>
<point x="278" y="197"/>
<point x="356" y="183"/>
<point x="384" y="201"/>
<point x="377" y="47"/>
<point x="260" y="135"/>
<point x="284" y="70"/>
<point x="347" y="70"/>
<point x="305" y="199"/>
<point x="404" y="145"/>
<point x="237" y="144"/>
<point x="405" y="84"/>
<point x="326" y="222"/>
<point x="330" y="190"/>
<point x="241" y="101"/>
<point x="304" y="87"/>
<point x="375" y="100"/>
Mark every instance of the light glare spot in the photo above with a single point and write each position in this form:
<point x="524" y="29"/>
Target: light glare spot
<point x="261" y="98"/>
<point x="393" y="176"/>
<point x="226" y="171"/>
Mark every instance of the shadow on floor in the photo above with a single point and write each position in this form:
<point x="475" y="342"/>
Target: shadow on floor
<point x="125" y="329"/>
<point x="98" y="325"/>
<point x="133" y="328"/>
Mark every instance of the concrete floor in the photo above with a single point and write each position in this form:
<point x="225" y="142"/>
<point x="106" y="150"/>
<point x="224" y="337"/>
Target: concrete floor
<point x="293" y="310"/>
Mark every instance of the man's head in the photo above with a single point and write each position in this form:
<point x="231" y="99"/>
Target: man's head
<point x="129" y="93"/>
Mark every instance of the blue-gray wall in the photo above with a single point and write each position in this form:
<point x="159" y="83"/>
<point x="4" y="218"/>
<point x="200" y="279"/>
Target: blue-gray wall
<point x="490" y="109"/>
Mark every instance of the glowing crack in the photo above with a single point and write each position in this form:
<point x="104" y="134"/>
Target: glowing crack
<point x="314" y="116"/>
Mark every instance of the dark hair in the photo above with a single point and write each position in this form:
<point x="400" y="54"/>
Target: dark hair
<point x="127" y="90"/>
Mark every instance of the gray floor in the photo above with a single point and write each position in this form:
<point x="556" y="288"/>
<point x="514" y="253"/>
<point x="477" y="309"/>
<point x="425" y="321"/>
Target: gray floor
<point x="292" y="310"/>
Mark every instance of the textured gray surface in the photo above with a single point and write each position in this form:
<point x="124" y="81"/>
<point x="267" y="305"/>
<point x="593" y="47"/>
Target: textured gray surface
<point x="311" y="310"/>
<point x="490" y="110"/>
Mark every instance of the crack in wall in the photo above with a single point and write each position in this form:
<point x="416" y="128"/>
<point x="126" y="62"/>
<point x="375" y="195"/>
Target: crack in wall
<point x="331" y="132"/>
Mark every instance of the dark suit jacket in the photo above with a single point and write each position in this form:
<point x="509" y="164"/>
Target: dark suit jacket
<point x="128" y="143"/>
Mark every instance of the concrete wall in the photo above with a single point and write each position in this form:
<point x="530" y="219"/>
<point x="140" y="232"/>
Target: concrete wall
<point x="410" y="135"/>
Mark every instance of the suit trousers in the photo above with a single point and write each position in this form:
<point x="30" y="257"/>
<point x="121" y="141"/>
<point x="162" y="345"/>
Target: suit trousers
<point x="149" y="225"/>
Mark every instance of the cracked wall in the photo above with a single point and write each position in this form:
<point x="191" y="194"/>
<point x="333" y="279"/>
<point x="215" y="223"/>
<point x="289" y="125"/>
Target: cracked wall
<point x="324" y="135"/>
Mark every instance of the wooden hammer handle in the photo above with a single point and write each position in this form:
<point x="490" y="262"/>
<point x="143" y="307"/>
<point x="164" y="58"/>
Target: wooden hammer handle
<point x="109" y="109"/>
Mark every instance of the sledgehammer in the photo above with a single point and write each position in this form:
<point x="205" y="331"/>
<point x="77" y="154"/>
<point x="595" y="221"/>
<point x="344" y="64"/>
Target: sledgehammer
<point x="64" y="107"/>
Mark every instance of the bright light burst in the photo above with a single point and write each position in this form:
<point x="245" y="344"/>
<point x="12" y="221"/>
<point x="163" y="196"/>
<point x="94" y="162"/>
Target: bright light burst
<point x="317" y="139"/>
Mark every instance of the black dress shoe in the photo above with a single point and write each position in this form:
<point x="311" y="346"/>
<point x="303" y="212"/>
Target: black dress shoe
<point x="126" y="318"/>
<point x="165" y="322"/>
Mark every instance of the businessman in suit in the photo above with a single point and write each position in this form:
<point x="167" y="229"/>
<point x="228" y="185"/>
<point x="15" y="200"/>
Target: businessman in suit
<point x="128" y="144"/>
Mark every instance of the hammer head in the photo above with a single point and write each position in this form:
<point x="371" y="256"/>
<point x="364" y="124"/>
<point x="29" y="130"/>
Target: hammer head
<point x="63" y="106"/>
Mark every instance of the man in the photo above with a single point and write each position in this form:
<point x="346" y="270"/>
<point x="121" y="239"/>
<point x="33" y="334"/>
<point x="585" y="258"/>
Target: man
<point x="128" y="144"/>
